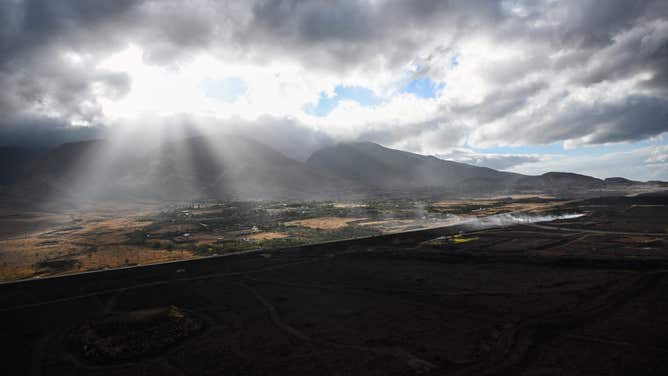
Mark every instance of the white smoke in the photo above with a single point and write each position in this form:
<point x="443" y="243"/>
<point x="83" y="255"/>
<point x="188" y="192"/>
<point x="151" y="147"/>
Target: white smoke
<point x="509" y="219"/>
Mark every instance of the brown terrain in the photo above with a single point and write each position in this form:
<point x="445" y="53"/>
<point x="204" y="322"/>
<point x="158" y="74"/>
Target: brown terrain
<point x="47" y="243"/>
<point x="324" y="223"/>
<point x="44" y="243"/>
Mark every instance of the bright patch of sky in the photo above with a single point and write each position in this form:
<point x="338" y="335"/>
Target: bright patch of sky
<point x="454" y="61"/>
<point x="227" y="90"/>
<point x="423" y="87"/>
<point x="326" y="103"/>
<point x="640" y="160"/>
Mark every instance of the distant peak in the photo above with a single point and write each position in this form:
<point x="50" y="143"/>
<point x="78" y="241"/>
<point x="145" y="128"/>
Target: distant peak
<point x="361" y="143"/>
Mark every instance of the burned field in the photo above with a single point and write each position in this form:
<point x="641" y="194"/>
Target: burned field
<point x="585" y="295"/>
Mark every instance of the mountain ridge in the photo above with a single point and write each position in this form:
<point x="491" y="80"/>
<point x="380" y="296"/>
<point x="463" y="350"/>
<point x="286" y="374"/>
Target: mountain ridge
<point x="235" y="167"/>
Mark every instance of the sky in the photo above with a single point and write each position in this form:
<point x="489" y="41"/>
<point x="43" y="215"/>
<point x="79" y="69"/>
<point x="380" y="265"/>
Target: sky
<point x="524" y="86"/>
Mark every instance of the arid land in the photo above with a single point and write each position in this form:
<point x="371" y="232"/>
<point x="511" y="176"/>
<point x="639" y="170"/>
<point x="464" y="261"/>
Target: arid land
<point x="40" y="243"/>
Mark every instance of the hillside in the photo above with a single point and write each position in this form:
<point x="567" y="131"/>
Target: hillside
<point x="232" y="167"/>
<point x="559" y="181"/>
<point x="235" y="167"/>
<point x="15" y="162"/>
<point x="227" y="167"/>
<point x="384" y="168"/>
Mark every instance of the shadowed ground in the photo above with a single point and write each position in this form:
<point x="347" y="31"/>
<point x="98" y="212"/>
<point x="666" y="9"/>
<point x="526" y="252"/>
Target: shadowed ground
<point x="583" y="296"/>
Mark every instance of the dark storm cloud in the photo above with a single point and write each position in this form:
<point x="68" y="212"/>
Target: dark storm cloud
<point x="45" y="133"/>
<point x="42" y="26"/>
<point x="59" y="90"/>
<point x="591" y="23"/>
<point x="643" y="48"/>
<point x="636" y="118"/>
<point x="357" y="34"/>
<point x="43" y="92"/>
<point x="633" y="118"/>
<point x="504" y="101"/>
<point x="171" y="30"/>
<point x="531" y="98"/>
<point x="606" y="79"/>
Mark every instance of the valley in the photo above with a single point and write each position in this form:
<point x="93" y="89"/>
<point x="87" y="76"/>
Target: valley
<point x="38" y="244"/>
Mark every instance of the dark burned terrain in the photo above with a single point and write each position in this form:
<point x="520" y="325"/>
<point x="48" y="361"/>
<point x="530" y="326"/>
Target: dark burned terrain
<point x="580" y="296"/>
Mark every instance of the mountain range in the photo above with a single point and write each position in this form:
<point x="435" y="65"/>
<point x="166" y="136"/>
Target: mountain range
<point x="235" y="167"/>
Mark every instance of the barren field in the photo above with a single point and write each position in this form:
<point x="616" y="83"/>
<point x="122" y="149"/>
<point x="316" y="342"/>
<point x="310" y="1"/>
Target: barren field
<point x="77" y="242"/>
<point x="324" y="223"/>
<point x="491" y="206"/>
<point x="267" y="236"/>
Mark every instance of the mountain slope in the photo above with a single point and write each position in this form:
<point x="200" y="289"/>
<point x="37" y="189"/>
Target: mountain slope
<point x="559" y="181"/>
<point x="384" y="168"/>
<point x="233" y="167"/>
<point x="224" y="167"/>
<point x="15" y="162"/>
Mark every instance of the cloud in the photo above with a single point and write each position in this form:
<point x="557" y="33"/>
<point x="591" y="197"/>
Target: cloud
<point x="364" y="35"/>
<point x="497" y="73"/>
<point x="491" y="160"/>
<point x="69" y="92"/>
<point x="658" y="157"/>
<point x="45" y="133"/>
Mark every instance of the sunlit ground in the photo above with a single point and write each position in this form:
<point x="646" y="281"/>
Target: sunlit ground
<point x="51" y="243"/>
